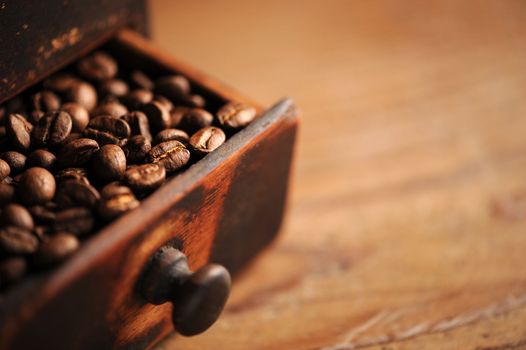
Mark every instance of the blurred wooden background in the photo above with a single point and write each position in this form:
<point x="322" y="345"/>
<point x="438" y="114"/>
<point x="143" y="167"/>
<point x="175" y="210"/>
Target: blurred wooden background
<point x="407" y="220"/>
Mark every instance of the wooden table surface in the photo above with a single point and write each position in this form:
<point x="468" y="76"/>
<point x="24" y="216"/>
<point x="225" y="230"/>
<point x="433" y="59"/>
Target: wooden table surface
<point x="407" y="220"/>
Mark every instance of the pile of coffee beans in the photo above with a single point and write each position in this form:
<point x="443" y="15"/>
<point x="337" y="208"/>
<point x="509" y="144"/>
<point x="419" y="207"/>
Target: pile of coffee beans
<point x="86" y="146"/>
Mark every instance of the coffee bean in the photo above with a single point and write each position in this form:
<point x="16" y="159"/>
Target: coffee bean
<point x="17" y="240"/>
<point x="158" y="115"/>
<point x="194" y="119"/>
<point x="37" y="186"/>
<point x="77" y="152"/>
<point x="175" y="87"/>
<point x="17" y="215"/>
<point x="45" y="101"/>
<point x="12" y="269"/>
<point x="98" y="66"/>
<point x="207" y="140"/>
<point x="41" y="232"/>
<point x="41" y="158"/>
<point x="79" y="115"/>
<point x="3" y="137"/>
<point x="116" y="200"/>
<point x="171" y="135"/>
<point x="197" y="101"/>
<point x="168" y="105"/>
<point x="56" y="248"/>
<point x="5" y="169"/>
<point x="145" y="178"/>
<point x="74" y="193"/>
<point x="18" y="130"/>
<point x="113" y="87"/>
<point x="7" y="193"/>
<point x="78" y="221"/>
<point x="235" y="115"/>
<point x="42" y="214"/>
<point x="136" y="149"/>
<point x="15" y="160"/>
<point x="71" y="137"/>
<point x="138" y="123"/>
<point x="112" y="108"/>
<point x="107" y="130"/>
<point x="35" y="116"/>
<point x="60" y="82"/>
<point x="173" y="155"/>
<point x="79" y="174"/>
<point x="141" y="80"/>
<point x="176" y="115"/>
<point x="136" y="98"/>
<point x="109" y="163"/>
<point x="82" y="93"/>
<point x="52" y="129"/>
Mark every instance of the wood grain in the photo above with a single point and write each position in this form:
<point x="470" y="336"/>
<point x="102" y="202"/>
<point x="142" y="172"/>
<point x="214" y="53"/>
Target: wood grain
<point x="407" y="224"/>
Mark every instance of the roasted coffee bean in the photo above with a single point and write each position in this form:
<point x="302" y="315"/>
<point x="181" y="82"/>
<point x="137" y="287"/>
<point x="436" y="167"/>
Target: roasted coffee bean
<point x="15" y="160"/>
<point x="116" y="200"/>
<point x="78" y="221"/>
<point x="41" y="231"/>
<point x="82" y="93"/>
<point x="112" y="108"/>
<point x="42" y="214"/>
<point x="53" y="128"/>
<point x="141" y="80"/>
<point x="5" y="169"/>
<point x="7" y="193"/>
<point x="79" y="174"/>
<point x="194" y="119"/>
<point x="77" y="152"/>
<point x="136" y="98"/>
<point x="17" y="240"/>
<point x="145" y="178"/>
<point x="45" y="101"/>
<point x="107" y="130"/>
<point x="17" y="215"/>
<point x="197" y="101"/>
<point x="41" y="158"/>
<point x="136" y="149"/>
<point x="37" y="186"/>
<point x="235" y="115"/>
<point x="171" y="135"/>
<point x="207" y="140"/>
<point x="158" y="115"/>
<point x="164" y="101"/>
<point x="79" y="115"/>
<point x="74" y="193"/>
<point x="175" y="87"/>
<point x="98" y="66"/>
<point x="109" y="163"/>
<point x="176" y="115"/>
<point x="3" y="137"/>
<point x="18" y="130"/>
<point x="71" y="137"/>
<point x="60" y="82"/>
<point x="173" y="155"/>
<point x="12" y="269"/>
<point x="113" y="87"/>
<point x="35" y="116"/>
<point x="56" y="248"/>
<point x="138" y="123"/>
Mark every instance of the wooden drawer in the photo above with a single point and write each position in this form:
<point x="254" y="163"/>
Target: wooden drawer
<point x="225" y="208"/>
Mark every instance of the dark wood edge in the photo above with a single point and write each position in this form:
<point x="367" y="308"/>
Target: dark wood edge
<point x="145" y="47"/>
<point x="103" y="244"/>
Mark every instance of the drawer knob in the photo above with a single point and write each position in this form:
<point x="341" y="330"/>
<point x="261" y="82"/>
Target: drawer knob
<point x="198" y="297"/>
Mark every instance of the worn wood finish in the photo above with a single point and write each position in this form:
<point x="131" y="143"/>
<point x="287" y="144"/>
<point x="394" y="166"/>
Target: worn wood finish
<point x="407" y="227"/>
<point x="93" y="300"/>
<point x="40" y="37"/>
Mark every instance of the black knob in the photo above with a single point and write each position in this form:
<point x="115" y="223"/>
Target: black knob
<point x="198" y="297"/>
